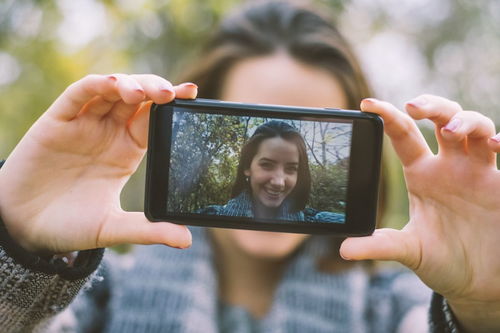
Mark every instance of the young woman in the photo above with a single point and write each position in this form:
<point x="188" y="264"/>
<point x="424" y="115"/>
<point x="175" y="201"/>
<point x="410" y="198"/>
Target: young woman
<point x="273" y="180"/>
<point x="59" y="192"/>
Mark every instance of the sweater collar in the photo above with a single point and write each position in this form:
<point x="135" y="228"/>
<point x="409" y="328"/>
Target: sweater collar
<point x="242" y="205"/>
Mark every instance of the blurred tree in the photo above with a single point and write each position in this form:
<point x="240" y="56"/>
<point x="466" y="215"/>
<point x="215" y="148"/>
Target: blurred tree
<point x="205" y="153"/>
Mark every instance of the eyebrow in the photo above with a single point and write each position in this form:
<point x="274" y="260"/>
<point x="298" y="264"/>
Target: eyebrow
<point x="265" y="159"/>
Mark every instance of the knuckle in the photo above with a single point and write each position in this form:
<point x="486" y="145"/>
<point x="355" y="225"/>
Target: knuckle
<point x="405" y="127"/>
<point x="455" y="106"/>
<point x="158" y="77"/>
<point x="426" y="96"/>
<point x="488" y="122"/>
<point x="479" y="118"/>
<point x="91" y="77"/>
<point x="407" y="123"/>
<point x="442" y="102"/>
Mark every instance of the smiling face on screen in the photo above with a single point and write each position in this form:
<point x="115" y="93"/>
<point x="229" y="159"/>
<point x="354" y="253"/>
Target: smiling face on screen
<point x="273" y="174"/>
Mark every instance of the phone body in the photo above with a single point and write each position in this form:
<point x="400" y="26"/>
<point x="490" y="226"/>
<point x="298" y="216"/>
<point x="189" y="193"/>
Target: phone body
<point x="194" y="151"/>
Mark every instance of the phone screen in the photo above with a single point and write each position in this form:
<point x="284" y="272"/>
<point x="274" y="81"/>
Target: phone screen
<point x="263" y="167"/>
<point x="259" y="167"/>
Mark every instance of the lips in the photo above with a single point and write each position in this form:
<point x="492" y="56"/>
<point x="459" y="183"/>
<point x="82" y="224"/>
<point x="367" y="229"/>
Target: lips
<point x="273" y="193"/>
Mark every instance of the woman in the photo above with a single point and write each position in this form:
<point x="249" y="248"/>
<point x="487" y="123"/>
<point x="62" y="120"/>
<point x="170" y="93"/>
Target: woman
<point x="273" y="180"/>
<point x="59" y="192"/>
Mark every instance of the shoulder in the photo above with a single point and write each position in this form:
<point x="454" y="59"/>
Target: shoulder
<point x="401" y="283"/>
<point x="399" y="299"/>
<point x="211" y="210"/>
<point x="314" y="215"/>
<point x="238" y="206"/>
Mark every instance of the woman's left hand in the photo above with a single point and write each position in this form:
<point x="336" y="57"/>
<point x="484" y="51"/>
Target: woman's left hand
<point x="452" y="240"/>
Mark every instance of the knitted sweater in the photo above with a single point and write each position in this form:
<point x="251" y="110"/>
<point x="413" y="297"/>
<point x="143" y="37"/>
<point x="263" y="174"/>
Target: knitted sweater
<point x="160" y="289"/>
<point x="242" y="206"/>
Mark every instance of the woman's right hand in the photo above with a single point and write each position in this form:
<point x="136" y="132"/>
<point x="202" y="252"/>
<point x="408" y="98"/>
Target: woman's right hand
<point x="60" y="187"/>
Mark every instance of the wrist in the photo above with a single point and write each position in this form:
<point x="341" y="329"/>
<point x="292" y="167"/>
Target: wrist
<point x="477" y="316"/>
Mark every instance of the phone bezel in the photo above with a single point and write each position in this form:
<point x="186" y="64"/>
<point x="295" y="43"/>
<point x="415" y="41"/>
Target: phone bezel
<point x="364" y="170"/>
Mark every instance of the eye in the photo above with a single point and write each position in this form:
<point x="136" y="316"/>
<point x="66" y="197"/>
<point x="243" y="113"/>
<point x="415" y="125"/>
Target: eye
<point x="292" y="169"/>
<point x="266" y="165"/>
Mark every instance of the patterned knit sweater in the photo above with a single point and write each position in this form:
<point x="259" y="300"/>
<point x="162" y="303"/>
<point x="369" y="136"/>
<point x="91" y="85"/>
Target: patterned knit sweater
<point x="242" y="206"/>
<point x="160" y="289"/>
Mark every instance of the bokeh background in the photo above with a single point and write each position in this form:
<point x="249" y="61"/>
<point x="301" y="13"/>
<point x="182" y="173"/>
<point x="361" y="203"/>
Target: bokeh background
<point x="407" y="47"/>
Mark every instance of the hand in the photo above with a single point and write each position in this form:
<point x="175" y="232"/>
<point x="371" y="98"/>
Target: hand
<point x="60" y="187"/>
<point x="452" y="238"/>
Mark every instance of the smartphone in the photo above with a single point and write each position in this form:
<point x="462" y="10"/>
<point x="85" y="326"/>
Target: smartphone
<point x="263" y="167"/>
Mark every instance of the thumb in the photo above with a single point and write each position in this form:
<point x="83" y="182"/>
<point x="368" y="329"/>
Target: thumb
<point x="384" y="244"/>
<point x="139" y="124"/>
<point x="135" y="228"/>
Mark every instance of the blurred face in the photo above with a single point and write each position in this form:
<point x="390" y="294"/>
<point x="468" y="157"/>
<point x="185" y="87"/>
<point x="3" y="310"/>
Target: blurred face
<point x="273" y="174"/>
<point x="275" y="79"/>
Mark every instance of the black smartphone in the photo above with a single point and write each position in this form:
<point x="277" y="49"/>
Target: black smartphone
<point x="263" y="167"/>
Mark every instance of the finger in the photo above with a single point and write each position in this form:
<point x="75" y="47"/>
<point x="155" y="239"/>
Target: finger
<point x="405" y="136"/>
<point x="384" y="244"/>
<point x="156" y="88"/>
<point x="138" y="125"/>
<point x="134" y="228"/>
<point x="131" y="92"/>
<point x="494" y="143"/>
<point x="122" y="112"/>
<point x="436" y="108"/>
<point x="440" y="111"/>
<point x="98" y="106"/>
<point x="472" y="130"/>
<point x="187" y="90"/>
<point x="77" y="95"/>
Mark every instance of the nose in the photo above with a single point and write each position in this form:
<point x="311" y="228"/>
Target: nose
<point x="278" y="180"/>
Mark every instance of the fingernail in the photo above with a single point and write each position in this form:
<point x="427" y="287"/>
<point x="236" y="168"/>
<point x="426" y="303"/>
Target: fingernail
<point x="189" y="85"/>
<point x="417" y="102"/>
<point x="167" y="90"/>
<point x="137" y="87"/>
<point x="369" y="100"/>
<point x="134" y="85"/>
<point x="112" y="78"/>
<point x="496" y="138"/>
<point x="453" y="125"/>
<point x="344" y="257"/>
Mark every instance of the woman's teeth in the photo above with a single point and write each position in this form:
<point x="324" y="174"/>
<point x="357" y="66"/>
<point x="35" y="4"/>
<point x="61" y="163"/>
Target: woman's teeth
<point x="273" y="193"/>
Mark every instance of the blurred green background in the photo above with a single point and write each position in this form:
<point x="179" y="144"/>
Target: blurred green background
<point x="407" y="47"/>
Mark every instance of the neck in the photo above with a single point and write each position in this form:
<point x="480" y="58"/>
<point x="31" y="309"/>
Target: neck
<point x="245" y="280"/>
<point x="263" y="212"/>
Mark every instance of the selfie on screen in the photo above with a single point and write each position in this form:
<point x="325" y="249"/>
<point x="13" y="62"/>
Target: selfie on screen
<point x="259" y="167"/>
